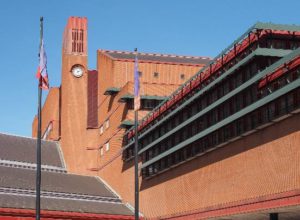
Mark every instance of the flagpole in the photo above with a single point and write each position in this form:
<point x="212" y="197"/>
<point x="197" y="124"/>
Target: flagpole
<point x="39" y="134"/>
<point x="136" y="160"/>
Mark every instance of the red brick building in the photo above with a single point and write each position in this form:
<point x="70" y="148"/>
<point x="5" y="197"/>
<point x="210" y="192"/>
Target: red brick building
<point x="63" y="195"/>
<point x="225" y="145"/>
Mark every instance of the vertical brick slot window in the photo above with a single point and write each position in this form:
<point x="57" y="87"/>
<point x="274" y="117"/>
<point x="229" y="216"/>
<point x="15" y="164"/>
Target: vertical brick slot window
<point x="77" y="40"/>
<point x="92" y="117"/>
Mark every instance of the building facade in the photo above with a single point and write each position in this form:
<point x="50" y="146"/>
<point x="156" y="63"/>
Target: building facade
<point x="92" y="109"/>
<point x="223" y="144"/>
<point x="63" y="195"/>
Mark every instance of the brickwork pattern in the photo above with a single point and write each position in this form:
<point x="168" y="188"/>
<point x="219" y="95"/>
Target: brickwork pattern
<point x="50" y="113"/>
<point x="261" y="164"/>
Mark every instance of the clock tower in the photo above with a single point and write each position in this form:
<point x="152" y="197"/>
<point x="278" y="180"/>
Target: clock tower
<point x="74" y="91"/>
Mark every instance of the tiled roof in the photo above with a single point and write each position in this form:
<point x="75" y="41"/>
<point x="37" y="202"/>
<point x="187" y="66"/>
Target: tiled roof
<point x="67" y="205"/>
<point x="53" y="182"/>
<point x="153" y="57"/>
<point x="60" y="191"/>
<point x="23" y="149"/>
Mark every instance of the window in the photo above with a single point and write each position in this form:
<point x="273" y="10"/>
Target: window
<point x="155" y="74"/>
<point x="107" y="123"/>
<point x="101" y="151"/>
<point x="101" y="129"/>
<point x="149" y="104"/>
<point x="182" y="76"/>
<point x="48" y="130"/>
<point x="140" y="73"/>
<point x="107" y="146"/>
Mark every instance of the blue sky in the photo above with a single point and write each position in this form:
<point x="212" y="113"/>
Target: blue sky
<point x="186" y="27"/>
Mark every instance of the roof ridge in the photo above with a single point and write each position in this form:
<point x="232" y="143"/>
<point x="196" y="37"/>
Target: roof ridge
<point x="32" y="138"/>
<point x="108" y="187"/>
<point x="61" y="155"/>
<point x="31" y="166"/>
<point x="154" y="54"/>
<point x="60" y="195"/>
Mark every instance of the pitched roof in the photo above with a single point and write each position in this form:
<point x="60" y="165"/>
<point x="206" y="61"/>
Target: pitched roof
<point x="153" y="57"/>
<point x="66" y="205"/>
<point x="23" y="149"/>
<point x="54" y="182"/>
<point x="60" y="191"/>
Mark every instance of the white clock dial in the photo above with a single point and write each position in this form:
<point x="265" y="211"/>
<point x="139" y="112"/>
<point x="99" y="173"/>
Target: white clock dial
<point x="77" y="71"/>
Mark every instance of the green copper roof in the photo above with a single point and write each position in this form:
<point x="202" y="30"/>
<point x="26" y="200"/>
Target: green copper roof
<point x="258" y="25"/>
<point x="271" y="26"/>
<point x="233" y="117"/>
<point x="111" y="90"/>
<point x="227" y="120"/>
<point x="212" y="106"/>
<point x="258" y="52"/>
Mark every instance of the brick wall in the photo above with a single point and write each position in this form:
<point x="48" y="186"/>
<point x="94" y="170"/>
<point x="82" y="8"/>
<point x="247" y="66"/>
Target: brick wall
<point x="264" y="163"/>
<point x="50" y="113"/>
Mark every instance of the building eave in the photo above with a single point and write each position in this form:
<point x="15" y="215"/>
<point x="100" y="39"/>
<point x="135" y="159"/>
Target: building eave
<point x="285" y="199"/>
<point x="60" y="214"/>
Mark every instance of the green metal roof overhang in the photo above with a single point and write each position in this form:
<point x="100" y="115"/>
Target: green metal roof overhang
<point x="126" y="124"/>
<point x="228" y="120"/>
<point x="111" y="91"/>
<point x="209" y="108"/>
<point x="257" y="26"/>
<point x="257" y="52"/>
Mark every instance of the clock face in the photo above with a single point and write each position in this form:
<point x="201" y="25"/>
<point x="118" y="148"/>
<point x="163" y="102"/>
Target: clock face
<point x="77" y="71"/>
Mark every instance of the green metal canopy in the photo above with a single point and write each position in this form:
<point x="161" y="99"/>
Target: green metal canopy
<point x="126" y="97"/>
<point x="258" y="25"/>
<point x="111" y="91"/>
<point x="126" y="124"/>
<point x="258" y="52"/>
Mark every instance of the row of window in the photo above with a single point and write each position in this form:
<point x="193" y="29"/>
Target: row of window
<point x="269" y="41"/>
<point x="257" y="118"/>
<point x="260" y="117"/>
<point x="231" y="106"/>
<point x="277" y="43"/>
<point x="236" y="79"/>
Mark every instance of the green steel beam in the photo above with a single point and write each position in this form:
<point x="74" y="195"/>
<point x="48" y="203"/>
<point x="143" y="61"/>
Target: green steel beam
<point x="257" y="52"/>
<point x="272" y="52"/>
<point x="228" y="120"/>
<point x="208" y="108"/>
<point x="258" y="25"/>
<point x="279" y="27"/>
<point x="153" y="97"/>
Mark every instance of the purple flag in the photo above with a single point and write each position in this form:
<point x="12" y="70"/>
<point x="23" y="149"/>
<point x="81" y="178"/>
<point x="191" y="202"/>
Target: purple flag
<point x="42" y="69"/>
<point x="137" y="98"/>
